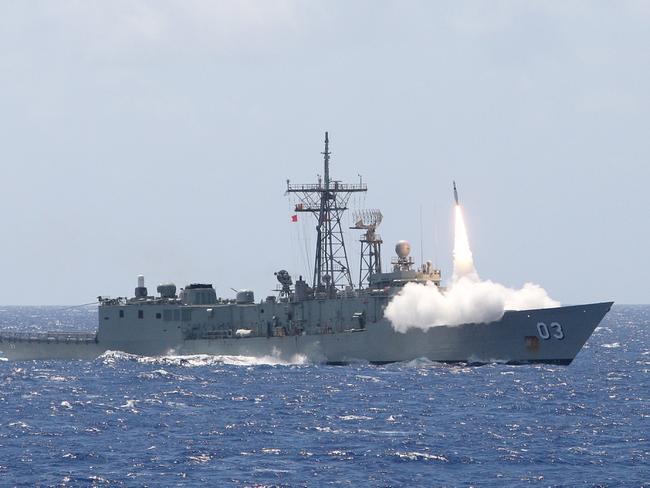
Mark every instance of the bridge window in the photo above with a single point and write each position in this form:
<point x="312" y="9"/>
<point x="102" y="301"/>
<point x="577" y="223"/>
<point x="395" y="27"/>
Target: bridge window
<point x="140" y="314"/>
<point x="158" y="315"/>
<point x="121" y="314"/>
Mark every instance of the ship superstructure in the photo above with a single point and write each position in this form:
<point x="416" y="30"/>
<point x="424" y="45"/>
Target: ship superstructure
<point x="331" y="319"/>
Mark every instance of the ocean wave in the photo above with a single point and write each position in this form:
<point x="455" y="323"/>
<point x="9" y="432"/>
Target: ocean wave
<point x="420" y="456"/>
<point x="420" y="363"/>
<point x="426" y="363"/>
<point x="432" y="423"/>
<point x="348" y="418"/>
<point x="194" y="360"/>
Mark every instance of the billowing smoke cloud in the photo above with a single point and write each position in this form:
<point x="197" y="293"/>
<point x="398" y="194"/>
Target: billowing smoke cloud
<point x="468" y="299"/>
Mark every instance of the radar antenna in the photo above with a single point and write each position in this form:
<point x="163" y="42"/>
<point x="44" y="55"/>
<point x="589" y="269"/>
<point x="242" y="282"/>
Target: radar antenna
<point x="371" y="242"/>
<point x="327" y="201"/>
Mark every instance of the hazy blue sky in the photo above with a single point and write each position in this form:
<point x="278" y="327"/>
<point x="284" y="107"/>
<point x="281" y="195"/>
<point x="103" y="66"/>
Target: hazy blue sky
<point x="156" y="137"/>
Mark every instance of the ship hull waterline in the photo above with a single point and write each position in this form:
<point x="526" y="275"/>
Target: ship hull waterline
<point x="553" y="336"/>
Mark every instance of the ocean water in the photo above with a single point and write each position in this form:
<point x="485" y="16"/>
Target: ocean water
<point x="124" y="420"/>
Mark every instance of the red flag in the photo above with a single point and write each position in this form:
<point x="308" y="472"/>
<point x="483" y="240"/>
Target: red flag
<point x="294" y="218"/>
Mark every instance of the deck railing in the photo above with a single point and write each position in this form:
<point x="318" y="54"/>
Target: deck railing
<point x="10" y="336"/>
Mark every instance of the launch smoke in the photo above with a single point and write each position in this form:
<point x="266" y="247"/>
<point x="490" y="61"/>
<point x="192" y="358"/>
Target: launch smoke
<point x="465" y="302"/>
<point x="468" y="299"/>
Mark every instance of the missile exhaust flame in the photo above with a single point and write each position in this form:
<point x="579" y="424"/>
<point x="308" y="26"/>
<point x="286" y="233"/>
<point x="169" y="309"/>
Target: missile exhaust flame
<point x="463" y="258"/>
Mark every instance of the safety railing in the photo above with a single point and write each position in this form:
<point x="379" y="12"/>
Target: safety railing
<point x="76" y="337"/>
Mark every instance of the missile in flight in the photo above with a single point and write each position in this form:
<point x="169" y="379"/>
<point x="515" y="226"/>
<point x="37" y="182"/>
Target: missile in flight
<point x="456" y="194"/>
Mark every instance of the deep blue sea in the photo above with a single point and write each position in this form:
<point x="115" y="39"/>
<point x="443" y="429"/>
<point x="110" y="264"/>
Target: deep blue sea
<point x="123" y="420"/>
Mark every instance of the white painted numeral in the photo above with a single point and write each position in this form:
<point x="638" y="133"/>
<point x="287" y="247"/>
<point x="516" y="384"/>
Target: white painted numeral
<point x="558" y="333"/>
<point x="544" y="330"/>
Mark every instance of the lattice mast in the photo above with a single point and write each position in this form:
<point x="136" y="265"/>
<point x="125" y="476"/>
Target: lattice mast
<point x="327" y="201"/>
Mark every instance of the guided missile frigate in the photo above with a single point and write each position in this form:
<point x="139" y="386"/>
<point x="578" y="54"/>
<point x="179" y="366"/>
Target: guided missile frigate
<point x="330" y="319"/>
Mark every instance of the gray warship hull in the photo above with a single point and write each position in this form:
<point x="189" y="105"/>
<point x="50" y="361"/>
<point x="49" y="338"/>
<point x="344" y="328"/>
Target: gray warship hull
<point x="330" y="321"/>
<point x="553" y="335"/>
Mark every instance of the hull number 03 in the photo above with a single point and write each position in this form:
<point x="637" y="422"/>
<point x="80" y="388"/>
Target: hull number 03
<point x="554" y="329"/>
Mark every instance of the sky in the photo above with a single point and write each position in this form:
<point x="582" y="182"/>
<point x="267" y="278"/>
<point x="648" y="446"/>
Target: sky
<point x="155" y="137"/>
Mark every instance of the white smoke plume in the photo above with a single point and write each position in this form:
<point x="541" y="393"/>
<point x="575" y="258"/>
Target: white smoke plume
<point x="468" y="299"/>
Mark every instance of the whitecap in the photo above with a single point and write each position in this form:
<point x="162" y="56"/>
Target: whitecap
<point x="270" y="450"/>
<point x="339" y="453"/>
<point x="200" y="458"/>
<point x="193" y="360"/>
<point x="368" y="378"/>
<point x="354" y="417"/>
<point x="58" y="378"/>
<point x="420" y="363"/>
<point x="329" y="430"/>
<point x="421" y="456"/>
<point x="129" y="404"/>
